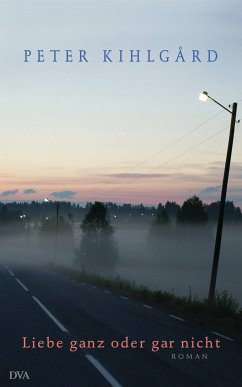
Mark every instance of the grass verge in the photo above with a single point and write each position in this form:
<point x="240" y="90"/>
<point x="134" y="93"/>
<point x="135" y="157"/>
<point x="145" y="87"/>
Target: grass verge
<point x="224" y="311"/>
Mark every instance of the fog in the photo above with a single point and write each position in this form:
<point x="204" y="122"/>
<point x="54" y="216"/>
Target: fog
<point x="183" y="263"/>
<point x="176" y="261"/>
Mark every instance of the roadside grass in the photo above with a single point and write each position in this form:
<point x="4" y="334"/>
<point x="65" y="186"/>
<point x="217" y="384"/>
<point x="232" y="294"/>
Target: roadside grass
<point x="224" y="310"/>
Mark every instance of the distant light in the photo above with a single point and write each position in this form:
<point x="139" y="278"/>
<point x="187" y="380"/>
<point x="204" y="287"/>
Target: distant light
<point x="46" y="200"/>
<point x="115" y="216"/>
<point x="46" y="218"/>
<point x="142" y="214"/>
<point x="203" y="96"/>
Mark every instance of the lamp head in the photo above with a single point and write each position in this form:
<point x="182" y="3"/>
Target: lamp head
<point x="203" y="96"/>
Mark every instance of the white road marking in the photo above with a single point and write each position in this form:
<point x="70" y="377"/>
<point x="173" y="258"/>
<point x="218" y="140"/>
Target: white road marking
<point x="147" y="306"/>
<point x="21" y="284"/>
<point x="106" y="291"/>
<point x="53" y="318"/>
<point x="176" y="317"/>
<point x="103" y="371"/>
<point x="124" y="298"/>
<point x="224" y="337"/>
<point x="10" y="272"/>
<point x="6" y="267"/>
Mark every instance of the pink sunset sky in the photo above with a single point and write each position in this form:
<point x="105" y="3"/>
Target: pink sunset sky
<point x="123" y="132"/>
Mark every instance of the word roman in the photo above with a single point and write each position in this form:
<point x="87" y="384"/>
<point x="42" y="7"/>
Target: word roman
<point x="189" y="356"/>
<point x="121" y="56"/>
<point x="126" y="343"/>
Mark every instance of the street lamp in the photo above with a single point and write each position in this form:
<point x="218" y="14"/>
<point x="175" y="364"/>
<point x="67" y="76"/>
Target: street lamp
<point x="26" y="220"/>
<point x="204" y="97"/>
<point x="57" y="206"/>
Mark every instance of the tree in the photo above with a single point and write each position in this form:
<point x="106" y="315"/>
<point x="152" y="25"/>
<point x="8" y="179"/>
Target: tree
<point x="162" y="217"/>
<point x="96" y="220"/>
<point x="192" y="211"/>
<point x="161" y="225"/>
<point x="172" y="209"/>
<point x="98" y="251"/>
<point x="231" y="213"/>
<point x="11" y="221"/>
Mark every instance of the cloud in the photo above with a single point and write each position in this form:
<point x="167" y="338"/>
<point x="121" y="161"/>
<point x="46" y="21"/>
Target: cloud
<point x="210" y="190"/>
<point x="9" y="193"/>
<point x="138" y="175"/>
<point x="63" y="194"/>
<point x="29" y="191"/>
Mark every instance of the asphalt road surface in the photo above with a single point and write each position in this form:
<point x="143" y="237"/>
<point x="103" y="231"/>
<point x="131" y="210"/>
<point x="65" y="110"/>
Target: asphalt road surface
<point x="104" y="338"/>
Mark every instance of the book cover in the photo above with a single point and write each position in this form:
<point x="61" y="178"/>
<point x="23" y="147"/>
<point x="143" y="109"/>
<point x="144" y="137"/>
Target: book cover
<point x="120" y="193"/>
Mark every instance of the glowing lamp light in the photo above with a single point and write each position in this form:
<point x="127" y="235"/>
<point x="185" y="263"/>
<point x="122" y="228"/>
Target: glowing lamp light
<point x="46" y="200"/>
<point x="203" y="96"/>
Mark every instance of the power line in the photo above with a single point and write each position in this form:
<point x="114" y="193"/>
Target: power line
<point x="173" y="143"/>
<point x="166" y="162"/>
<point x="166" y="147"/>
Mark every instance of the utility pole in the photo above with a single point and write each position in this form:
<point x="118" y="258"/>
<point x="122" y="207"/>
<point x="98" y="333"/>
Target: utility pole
<point x="57" y="205"/>
<point x="222" y="206"/>
<point x="204" y="97"/>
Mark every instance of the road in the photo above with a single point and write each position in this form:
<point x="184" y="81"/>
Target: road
<point x="41" y="305"/>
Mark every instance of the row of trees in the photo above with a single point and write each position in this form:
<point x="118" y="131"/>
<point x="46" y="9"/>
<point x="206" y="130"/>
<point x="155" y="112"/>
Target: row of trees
<point x="192" y="211"/>
<point x="124" y="212"/>
<point x="195" y="211"/>
<point x="98" y="249"/>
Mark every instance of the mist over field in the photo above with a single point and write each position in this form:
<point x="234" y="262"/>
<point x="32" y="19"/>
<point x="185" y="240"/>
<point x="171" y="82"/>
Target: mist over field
<point x="179" y="261"/>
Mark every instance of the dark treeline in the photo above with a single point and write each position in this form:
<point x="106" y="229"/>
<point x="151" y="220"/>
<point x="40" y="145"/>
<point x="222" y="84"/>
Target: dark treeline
<point x="35" y="211"/>
<point x="134" y="241"/>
